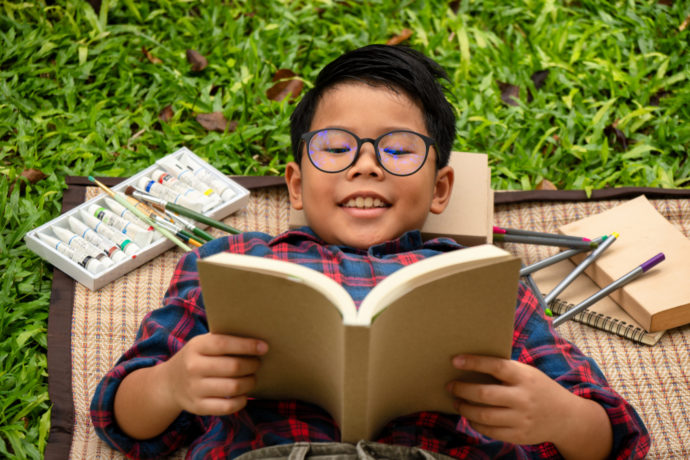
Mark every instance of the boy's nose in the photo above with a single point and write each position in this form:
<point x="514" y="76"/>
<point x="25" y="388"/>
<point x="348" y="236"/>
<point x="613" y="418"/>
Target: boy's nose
<point x="366" y="163"/>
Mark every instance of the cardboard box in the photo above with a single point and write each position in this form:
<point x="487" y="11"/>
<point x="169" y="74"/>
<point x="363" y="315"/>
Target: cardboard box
<point x="159" y="244"/>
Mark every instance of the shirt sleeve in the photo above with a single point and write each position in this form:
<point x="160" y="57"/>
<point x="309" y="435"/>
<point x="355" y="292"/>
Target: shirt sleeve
<point x="162" y="333"/>
<point x="536" y="342"/>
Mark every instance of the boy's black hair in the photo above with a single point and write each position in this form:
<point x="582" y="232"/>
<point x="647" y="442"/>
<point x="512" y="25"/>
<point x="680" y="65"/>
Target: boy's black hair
<point x="396" y="67"/>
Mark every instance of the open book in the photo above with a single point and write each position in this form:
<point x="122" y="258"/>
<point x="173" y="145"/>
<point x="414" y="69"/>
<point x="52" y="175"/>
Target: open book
<point x="366" y="367"/>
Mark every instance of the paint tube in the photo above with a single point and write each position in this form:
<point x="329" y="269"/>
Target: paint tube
<point x="139" y="235"/>
<point x="90" y="235"/>
<point x="184" y="174"/>
<point x="128" y="246"/>
<point x="203" y="175"/>
<point x="79" y="244"/>
<point x="126" y="214"/>
<point x="89" y="263"/>
<point x="161" y="191"/>
<point x="192" y="193"/>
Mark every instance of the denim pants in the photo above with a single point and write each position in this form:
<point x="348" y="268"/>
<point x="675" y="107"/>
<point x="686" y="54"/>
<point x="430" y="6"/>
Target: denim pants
<point x="341" y="451"/>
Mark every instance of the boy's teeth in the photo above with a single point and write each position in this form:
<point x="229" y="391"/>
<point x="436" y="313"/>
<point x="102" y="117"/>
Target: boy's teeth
<point x="368" y="202"/>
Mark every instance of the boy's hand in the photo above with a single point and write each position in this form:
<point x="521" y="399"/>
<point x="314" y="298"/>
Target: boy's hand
<point x="524" y="409"/>
<point x="528" y="407"/>
<point x="212" y="373"/>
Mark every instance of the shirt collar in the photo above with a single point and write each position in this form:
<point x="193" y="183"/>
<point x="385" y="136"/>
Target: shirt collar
<point x="409" y="241"/>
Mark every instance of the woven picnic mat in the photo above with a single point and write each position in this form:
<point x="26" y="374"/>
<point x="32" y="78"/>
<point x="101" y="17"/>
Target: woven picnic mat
<point x="101" y="325"/>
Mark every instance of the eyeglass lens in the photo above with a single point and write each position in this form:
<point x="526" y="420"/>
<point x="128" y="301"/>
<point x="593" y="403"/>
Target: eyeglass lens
<point x="399" y="153"/>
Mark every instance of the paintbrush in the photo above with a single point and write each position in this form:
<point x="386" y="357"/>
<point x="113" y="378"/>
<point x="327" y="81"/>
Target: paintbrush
<point x="123" y="201"/>
<point x="176" y="208"/>
<point x="187" y="224"/>
<point x="181" y="234"/>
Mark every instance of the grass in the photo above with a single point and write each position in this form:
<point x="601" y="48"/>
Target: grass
<point x="584" y="95"/>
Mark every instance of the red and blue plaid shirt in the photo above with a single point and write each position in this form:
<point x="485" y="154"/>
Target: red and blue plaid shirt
<point x="263" y="422"/>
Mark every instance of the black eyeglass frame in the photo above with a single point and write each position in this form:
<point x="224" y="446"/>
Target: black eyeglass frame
<point x="428" y="142"/>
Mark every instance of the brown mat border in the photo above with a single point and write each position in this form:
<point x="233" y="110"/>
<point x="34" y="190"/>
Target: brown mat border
<point x="62" y="293"/>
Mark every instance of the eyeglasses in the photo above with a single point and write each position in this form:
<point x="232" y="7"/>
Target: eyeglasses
<point x="400" y="152"/>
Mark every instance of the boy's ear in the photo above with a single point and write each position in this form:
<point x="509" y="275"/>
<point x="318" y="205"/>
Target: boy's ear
<point x="443" y="189"/>
<point x="293" y="179"/>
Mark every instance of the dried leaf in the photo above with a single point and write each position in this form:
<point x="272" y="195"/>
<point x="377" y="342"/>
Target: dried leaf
<point x="283" y="74"/>
<point x="684" y="24"/>
<point x="33" y="175"/>
<point x="166" y="114"/>
<point x="548" y="148"/>
<point x="616" y="136"/>
<point x="216" y="121"/>
<point x="656" y="97"/>
<point x="152" y="59"/>
<point x="510" y="94"/>
<point x="96" y="5"/>
<point x="287" y="84"/>
<point x="666" y="2"/>
<point x="454" y="5"/>
<point x="401" y="37"/>
<point x="545" y="184"/>
<point x="539" y="77"/>
<point x="197" y="60"/>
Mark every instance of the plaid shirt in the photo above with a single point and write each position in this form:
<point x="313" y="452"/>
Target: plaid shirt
<point x="264" y="422"/>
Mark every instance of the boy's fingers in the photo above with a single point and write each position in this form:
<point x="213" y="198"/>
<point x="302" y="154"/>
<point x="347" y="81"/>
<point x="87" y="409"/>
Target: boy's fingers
<point x="220" y="406"/>
<point x="488" y="416"/>
<point x="504" y="370"/>
<point x="221" y="344"/>
<point x="228" y="388"/>
<point x="488" y="394"/>
<point x="228" y="366"/>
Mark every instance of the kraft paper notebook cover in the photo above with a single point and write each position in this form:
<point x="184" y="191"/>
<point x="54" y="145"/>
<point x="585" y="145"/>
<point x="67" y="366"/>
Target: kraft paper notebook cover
<point x="468" y="219"/>
<point x="325" y="352"/>
<point x="606" y="314"/>
<point x="660" y="299"/>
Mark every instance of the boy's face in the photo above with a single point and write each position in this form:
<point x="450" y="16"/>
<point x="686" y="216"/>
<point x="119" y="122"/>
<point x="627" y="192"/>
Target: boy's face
<point x="398" y="203"/>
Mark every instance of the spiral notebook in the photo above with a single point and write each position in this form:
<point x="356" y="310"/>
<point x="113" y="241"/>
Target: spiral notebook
<point x="606" y="314"/>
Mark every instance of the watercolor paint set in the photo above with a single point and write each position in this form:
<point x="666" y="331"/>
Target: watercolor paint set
<point x="101" y="240"/>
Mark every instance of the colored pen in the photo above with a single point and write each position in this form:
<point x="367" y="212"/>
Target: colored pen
<point x="141" y="215"/>
<point x="580" y="268"/>
<point x="558" y="257"/>
<point x="162" y="204"/>
<point x="537" y="293"/>
<point x="550" y="241"/>
<point x="620" y="282"/>
<point x="515" y="231"/>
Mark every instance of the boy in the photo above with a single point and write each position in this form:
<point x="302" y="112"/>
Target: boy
<point x="371" y="143"/>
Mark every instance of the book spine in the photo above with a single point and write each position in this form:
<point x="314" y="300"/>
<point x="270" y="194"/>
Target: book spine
<point x="605" y="323"/>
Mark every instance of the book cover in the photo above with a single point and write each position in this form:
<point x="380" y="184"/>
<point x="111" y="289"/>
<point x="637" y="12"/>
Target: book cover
<point x="366" y="367"/>
<point x="606" y="314"/>
<point x="660" y="299"/>
<point x="468" y="219"/>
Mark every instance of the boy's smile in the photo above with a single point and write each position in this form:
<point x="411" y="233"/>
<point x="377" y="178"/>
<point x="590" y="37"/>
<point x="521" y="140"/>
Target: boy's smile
<point x="365" y="205"/>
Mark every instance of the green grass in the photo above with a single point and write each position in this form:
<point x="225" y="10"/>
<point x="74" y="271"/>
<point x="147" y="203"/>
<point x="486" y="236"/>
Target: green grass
<point x="78" y="96"/>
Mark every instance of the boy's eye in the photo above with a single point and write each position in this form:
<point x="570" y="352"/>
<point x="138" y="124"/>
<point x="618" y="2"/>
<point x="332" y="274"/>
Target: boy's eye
<point x="396" y="151"/>
<point x="337" y="150"/>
